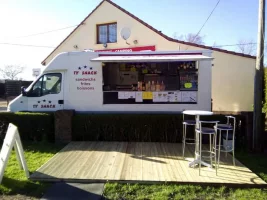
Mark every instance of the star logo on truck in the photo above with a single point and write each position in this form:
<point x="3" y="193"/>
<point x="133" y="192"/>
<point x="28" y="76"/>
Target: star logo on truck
<point x="85" y="70"/>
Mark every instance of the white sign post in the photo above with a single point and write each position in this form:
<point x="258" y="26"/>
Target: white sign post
<point x="11" y="140"/>
<point x="36" y="72"/>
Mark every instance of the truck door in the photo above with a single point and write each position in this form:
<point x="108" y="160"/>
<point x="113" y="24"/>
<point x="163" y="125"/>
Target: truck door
<point x="47" y="93"/>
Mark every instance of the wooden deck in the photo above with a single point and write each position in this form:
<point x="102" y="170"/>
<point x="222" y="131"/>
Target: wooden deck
<point x="137" y="162"/>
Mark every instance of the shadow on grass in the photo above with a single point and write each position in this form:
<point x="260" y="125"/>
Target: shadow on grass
<point x="15" y="187"/>
<point x="42" y="147"/>
<point x="256" y="162"/>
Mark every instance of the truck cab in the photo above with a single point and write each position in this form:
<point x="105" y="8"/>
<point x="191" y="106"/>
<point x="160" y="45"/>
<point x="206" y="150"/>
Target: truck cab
<point x="45" y="94"/>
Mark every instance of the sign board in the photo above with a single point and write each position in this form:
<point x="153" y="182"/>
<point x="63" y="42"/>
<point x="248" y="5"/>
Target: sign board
<point x="11" y="140"/>
<point x="133" y="49"/>
<point x="36" y="71"/>
<point x="147" y="95"/>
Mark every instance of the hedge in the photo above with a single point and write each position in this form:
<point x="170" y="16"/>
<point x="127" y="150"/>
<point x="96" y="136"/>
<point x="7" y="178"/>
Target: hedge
<point x="113" y="127"/>
<point x="139" y="127"/>
<point x="31" y="126"/>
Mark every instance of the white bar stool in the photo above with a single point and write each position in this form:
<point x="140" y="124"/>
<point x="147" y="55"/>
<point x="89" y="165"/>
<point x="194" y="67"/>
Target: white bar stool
<point x="228" y="146"/>
<point x="187" y="140"/>
<point x="212" y="132"/>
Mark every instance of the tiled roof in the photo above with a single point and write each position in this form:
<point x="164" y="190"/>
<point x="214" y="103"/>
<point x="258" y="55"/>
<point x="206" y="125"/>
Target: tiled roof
<point x="153" y="29"/>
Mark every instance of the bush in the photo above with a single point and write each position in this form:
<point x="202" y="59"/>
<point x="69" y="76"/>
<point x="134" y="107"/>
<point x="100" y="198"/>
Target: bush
<point x="31" y="126"/>
<point x="115" y="127"/>
<point x="127" y="127"/>
<point x="138" y="127"/>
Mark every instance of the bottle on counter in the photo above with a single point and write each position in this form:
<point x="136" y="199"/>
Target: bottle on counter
<point x="139" y="86"/>
<point x="153" y="87"/>
<point x="157" y="86"/>
<point x="162" y="86"/>
<point x="147" y="86"/>
<point x="143" y="86"/>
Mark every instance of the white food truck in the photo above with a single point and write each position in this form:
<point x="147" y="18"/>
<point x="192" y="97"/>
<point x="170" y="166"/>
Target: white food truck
<point x="86" y="81"/>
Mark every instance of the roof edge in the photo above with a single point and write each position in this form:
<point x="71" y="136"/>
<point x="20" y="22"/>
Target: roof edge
<point x="43" y="62"/>
<point x="153" y="29"/>
<point x="175" y="40"/>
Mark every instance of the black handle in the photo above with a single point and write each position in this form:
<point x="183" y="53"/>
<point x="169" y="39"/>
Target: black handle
<point x="60" y="101"/>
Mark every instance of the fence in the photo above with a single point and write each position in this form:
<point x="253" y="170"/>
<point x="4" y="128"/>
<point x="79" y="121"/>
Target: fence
<point x="11" y="88"/>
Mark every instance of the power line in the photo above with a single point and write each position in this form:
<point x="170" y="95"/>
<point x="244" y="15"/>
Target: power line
<point x="228" y="45"/>
<point x="26" y="45"/>
<point x="41" y="33"/>
<point x="205" y="21"/>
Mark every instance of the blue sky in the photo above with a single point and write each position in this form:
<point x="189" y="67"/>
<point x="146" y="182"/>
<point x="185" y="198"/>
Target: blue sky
<point x="231" y="21"/>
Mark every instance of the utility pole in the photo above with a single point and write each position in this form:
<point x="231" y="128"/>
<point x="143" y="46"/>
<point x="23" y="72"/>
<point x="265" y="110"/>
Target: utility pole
<point x="257" y="115"/>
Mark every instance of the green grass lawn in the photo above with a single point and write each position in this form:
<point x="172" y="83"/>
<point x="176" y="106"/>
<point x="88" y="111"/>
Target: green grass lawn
<point x="15" y="181"/>
<point x="176" y="191"/>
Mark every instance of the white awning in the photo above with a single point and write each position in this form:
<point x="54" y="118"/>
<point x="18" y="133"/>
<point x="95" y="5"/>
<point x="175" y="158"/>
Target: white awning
<point x="150" y="58"/>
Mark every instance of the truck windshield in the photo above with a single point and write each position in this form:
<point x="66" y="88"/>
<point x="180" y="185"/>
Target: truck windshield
<point x="47" y="84"/>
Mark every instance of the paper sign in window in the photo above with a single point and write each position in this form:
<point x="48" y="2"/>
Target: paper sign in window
<point x="147" y="95"/>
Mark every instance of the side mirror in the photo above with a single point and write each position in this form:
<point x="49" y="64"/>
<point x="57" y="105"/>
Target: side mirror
<point x="23" y="92"/>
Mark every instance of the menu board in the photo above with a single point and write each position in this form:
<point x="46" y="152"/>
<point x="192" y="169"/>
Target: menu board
<point x="147" y="95"/>
<point x="126" y="95"/>
<point x="175" y="96"/>
<point x="167" y="96"/>
<point x="138" y="97"/>
<point x="121" y="95"/>
<point x="189" y="96"/>
<point x="131" y="95"/>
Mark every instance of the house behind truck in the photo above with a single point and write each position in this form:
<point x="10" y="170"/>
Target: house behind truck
<point x="232" y="73"/>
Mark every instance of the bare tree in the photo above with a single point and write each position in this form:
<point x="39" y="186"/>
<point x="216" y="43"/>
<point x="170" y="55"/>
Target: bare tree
<point x="190" y="37"/>
<point x="11" y="71"/>
<point x="215" y="44"/>
<point x="247" y="47"/>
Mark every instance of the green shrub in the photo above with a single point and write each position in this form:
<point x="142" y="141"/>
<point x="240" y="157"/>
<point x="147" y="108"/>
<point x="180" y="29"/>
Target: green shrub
<point x="138" y="127"/>
<point x="31" y="126"/>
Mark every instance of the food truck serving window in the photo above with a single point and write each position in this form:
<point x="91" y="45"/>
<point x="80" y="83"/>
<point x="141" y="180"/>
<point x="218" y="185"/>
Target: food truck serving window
<point x="162" y="82"/>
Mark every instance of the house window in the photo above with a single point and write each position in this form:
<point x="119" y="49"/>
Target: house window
<point x="107" y="33"/>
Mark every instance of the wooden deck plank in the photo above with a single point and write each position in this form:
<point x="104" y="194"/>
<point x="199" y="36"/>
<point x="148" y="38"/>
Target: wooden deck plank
<point x="100" y="161"/>
<point x="108" y="158"/>
<point x="57" y="156"/>
<point x="172" y="168"/>
<point x="167" y="170"/>
<point x="79" y="163"/>
<point x="74" y="158"/>
<point x="144" y="162"/>
<point x="126" y="167"/>
<point x="177" y="162"/>
<point x="153" y="172"/>
<point x="138" y="162"/>
<point x="117" y="167"/>
<point x="86" y="163"/>
<point x="160" y="162"/>
<point x="177" y="150"/>
<point x="56" y="163"/>
<point x="90" y="164"/>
